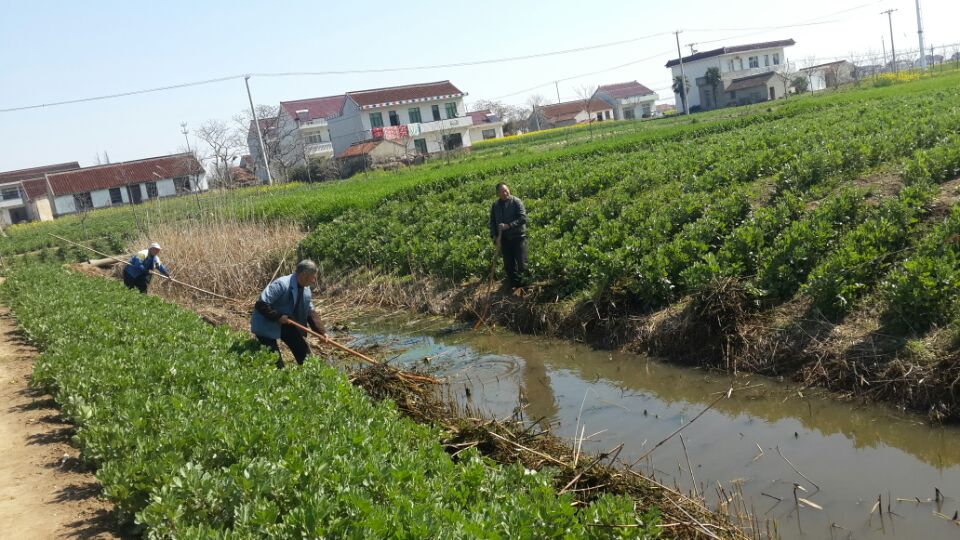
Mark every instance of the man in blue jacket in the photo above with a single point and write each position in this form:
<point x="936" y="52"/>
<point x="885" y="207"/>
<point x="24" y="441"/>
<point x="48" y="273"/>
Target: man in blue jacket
<point x="287" y="299"/>
<point x="137" y="273"/>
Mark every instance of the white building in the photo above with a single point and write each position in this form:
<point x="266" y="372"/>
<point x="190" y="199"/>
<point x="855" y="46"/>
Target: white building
<point x="122" y="183"/>
<point x="830" y="75"/>
<point x="426" y="118"/>
<point x="751" y="69"/>
<point x="630" y="100"/>
<point x="23" y="193"/>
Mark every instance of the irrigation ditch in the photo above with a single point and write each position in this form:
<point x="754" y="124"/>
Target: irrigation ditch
<point x="749" y="458"/>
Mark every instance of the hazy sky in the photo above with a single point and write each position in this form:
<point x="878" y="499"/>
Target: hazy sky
<point x="59" y="50"/>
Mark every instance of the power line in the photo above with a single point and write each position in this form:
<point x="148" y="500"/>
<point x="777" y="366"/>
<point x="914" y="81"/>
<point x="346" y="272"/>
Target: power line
<point x="339" y="72"/>
<point x="122" y="94"/>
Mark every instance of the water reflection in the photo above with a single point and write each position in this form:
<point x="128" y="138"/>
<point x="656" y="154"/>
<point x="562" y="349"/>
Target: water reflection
<point x="854" y="452"/>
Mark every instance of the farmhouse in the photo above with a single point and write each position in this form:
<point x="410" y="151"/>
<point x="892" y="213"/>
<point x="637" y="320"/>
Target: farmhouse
<point x="569" y="113"/>
<point x="23" y="193"/>
<point x="830" y="75"/>
<point x="629" y="100"/>
<point x="122" y="183"/>
<point x="750" y="68"/>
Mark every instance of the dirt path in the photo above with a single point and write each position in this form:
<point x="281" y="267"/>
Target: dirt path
<point x="44" y="492"/>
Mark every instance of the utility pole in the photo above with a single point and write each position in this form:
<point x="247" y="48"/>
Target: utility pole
<point x="183" y="129"/>
<point x="883" y="43"/>
<point x="557" y="85"/>
<point x="923" y="57"/>
<point x="893" y="48"/>
<point x="256" y="123"/>
<point x="683" y="77"/>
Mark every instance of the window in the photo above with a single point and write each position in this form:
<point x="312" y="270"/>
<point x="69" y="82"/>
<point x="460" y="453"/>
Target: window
<point x="414" y="115"/>
<point x="730" y="65"/>
<point x="151" y="190"/>
<point x="733" y="95"/>
<point x="116" y="196"/>
<point x="420" y="145"/>
<point x="766" y="60"/>
<point x="628" y="114"/>
<point x="314" y="138"/>
<point x="181" y="185"/>
<point x="436" y="112"/>
<point x="489" y="134"/>
<point x="646" y="110"/>
<point x="82" y="201"/>
<point x="452" y="142"/>
<point x="394" y="118"/>
<point x="599" y="117"/>
<point x="606" y="114"/>
<point x="739" y="63"/>
<point x="776" y="59"/>
<point x="451" y="110"/>
<point x="10" y="194"/>
<point x="754" y="61"/>
<point x="376" y="119"/>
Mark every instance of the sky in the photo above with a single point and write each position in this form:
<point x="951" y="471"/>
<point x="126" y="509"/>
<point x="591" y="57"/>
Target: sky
<point x="52" y="51"/>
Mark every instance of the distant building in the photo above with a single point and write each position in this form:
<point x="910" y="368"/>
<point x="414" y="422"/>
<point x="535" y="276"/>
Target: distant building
<point x="829" y="75"/>
<point x="630" y="100"/>
<point x="749" y="68"/>
<point x="23" y="193"/>
<point x="569" y="113"/>
<point x="122" y="183"/>
<point x="423" y="118"/>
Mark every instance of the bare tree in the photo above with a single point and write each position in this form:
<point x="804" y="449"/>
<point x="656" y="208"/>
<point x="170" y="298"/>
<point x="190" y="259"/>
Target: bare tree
<point x="535" y="101"/>
<point x="587" y="94"/>
<point x="223" y="146"/>
<point x="284" y="145"/>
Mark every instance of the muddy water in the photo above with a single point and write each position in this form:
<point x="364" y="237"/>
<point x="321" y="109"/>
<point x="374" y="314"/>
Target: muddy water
<point x="854" y="453"/>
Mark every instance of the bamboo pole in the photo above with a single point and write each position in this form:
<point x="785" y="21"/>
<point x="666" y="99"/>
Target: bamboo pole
<point x="177" y="281"/>
<point x="493" y="267"/>
<point x="329" y="341"/>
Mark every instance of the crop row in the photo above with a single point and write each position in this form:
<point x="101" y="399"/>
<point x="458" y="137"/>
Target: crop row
<point x="195" y="434"/>
<point x="652" y="221"/>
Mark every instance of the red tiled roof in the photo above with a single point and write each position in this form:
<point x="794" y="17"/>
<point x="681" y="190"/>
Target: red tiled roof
<point x="569" y="109"/>
<point x="410" y="93"/>
<point x="360" y="149"/>
<point x="36" y="172"/>
<point x="481" y="117"/>
<point x="734" y="49"/>
<point x="626" y="90"/>
<point x="35" y="187"/>
<point x="321" y="107"/>
<point x="121" y="174"/>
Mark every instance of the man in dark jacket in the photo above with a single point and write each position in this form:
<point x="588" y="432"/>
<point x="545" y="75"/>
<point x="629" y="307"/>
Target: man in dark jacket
<point x="287" y="299"/>
<point x="508" y="222"/>
<point x="137" y="272"/>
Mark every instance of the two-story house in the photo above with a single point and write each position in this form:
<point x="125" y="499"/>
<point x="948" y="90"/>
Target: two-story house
<point x="630" y="100"/>
<point x="23" y="193"/>
<point x="122" y="183"/>
<point x="298" y="132"/>
<point x="749" y="74"/>
<point x="426" y="118"/>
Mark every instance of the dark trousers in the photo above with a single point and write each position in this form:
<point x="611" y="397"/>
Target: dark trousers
<point x="139" y="283"/>
<point x="293" y="338"/>
<point x="514" y="259"/>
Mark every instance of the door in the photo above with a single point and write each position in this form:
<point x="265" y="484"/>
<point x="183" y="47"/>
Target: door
<point x="773" y="93"/>
<point x="18" y="215"/>
<point x="135" y="194"/>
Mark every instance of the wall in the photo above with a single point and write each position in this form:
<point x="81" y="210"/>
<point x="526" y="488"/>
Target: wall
<point x="347" y="128"/>
<point x="42" y="209"/>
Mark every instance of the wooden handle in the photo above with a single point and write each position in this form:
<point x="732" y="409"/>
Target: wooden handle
<point x="325" y="339"/>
